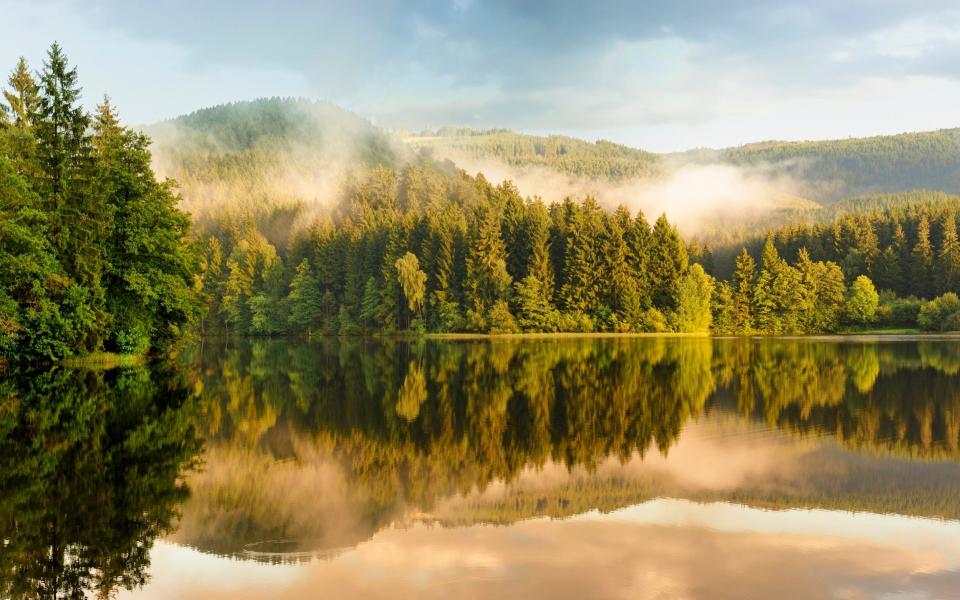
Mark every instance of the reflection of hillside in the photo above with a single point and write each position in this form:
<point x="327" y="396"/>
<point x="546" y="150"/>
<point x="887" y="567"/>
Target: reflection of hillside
<point x="320" y="445"/>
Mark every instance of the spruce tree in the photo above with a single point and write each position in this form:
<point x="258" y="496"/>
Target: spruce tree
<point x="23" y="97"/>
<point x="948" y="263"/>
<point x="922" y="260"/>
<point x="667" y="264"/>
<point x="487" y="280"/>
<point x="305" y="300"/>
<point x="743" y="293"/>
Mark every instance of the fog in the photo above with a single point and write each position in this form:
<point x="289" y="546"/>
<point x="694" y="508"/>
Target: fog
<point x="695" y="196"/>
<point x="260" y="156"/>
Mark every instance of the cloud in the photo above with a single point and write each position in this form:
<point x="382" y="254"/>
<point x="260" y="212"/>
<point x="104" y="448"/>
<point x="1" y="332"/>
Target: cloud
<point x="794" y="555"/>
<point x="643" y="74"/>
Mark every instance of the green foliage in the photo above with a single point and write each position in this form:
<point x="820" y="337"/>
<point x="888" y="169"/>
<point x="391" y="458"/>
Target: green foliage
<point x="862" y="301"/>
<point x="91" y="474"/>
<point x="95" y="254"/>
<point x="936" y="314"/>
<point x="693" y="306"/>
<point x="412" y="280"/>
<point x="304" y="300"/>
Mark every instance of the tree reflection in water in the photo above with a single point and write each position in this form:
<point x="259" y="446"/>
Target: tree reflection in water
<point x="90" y="476"/>
<point x="313" y="447"/>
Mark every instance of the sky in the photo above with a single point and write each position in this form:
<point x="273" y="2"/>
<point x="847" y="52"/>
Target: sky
<point x="662" y="76"/>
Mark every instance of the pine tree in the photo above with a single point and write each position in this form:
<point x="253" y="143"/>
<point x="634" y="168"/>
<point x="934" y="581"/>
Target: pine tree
<point x="583" y="260"/>
<point x="487" y="280"/>
<point x="948" y="263"/>
<point x="724" y="311"/>
<point x="534" y="310"/>
<point x="538" y="235"/>
<point x="305" y="300"/>
<point x="639" y="240"/>
<point x="743" y="294"/>
<point x="667" y="265"/>
<point x="23" y="97"/>
<point x="922" y="264"/>
<point x="79" y="215"/>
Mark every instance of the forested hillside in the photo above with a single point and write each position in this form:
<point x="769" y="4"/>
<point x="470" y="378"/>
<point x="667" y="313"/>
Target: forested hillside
<point x="832" y="170"/>
<point x="824" y="171"/>
<point x="602" y="159"/>
<point x="266" y="155"/>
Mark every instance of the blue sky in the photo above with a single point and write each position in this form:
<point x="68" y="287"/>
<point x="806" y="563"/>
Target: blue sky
<point x="661" y="76"/>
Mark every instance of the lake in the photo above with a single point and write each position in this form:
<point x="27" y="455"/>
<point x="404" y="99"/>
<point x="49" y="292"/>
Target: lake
<point x="605" y="467"/>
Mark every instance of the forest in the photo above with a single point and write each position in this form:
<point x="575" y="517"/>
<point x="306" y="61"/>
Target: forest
<point x="94" y="253"/>
<point x="307" y="220"/>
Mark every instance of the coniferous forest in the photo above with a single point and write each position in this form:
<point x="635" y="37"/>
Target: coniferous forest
<point x="98" y="254"/>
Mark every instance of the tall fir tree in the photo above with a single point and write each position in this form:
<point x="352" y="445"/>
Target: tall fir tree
<point x="667" y="264"/>
<point x="922" y="260"/>
<point x="948" y="259"/>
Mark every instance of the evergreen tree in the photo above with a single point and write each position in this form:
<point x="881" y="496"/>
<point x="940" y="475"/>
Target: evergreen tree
<point x="583" y="261"/>
<point x="948" y="263"/>
<point x="534" y="310"/>
<point x="305" y="300"/>
<point x="922" y="263"/>
<point x="667" y="264"/>
<point x="743" y="294"/>
<point x="487" y="280"/>
<point x="23" y="97"/>
<point x="79" y="215"/>
<point x="622" y="294"/>
<point x="724" y="310"/>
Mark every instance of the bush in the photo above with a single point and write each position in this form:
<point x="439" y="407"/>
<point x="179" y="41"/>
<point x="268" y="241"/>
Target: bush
<point x="898" y="312"/>
<point x="934" y="314"/>
<point x="654" y="321"/>
<point x="575" y="322"/>
<point x="501" y="320"/>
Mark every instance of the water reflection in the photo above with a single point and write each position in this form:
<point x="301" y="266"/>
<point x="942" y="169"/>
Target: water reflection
<point x="90" y="466"/>
<point x="322" y="445"/>
<point x="350" y="452"/>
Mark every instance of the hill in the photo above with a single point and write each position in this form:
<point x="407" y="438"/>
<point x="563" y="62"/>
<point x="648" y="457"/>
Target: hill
<point x="601" y="159"/>
<point x="267" y="153"/>
<point x="822" y="171"/>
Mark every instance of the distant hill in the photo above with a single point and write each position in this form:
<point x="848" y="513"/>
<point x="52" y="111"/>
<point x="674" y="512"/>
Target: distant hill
<point x="833" y="170"/>
<point x="267" y="153"/>
<point x="822" y="171"/>
<point x="602" y="159"/>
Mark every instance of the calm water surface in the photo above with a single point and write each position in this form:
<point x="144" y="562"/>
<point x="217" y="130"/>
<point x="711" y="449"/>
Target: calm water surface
<point x="568" y="468"/>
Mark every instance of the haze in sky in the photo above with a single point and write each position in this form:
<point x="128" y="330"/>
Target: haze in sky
<point x="708" y="73"/>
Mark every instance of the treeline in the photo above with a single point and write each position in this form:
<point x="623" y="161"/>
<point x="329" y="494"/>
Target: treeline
<point x="832" y="170"/>
<point x="93" y="251"/>
<point x="907" y="245"/>
<point x="419" y="248"/>
<point x="600" y="160"/>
